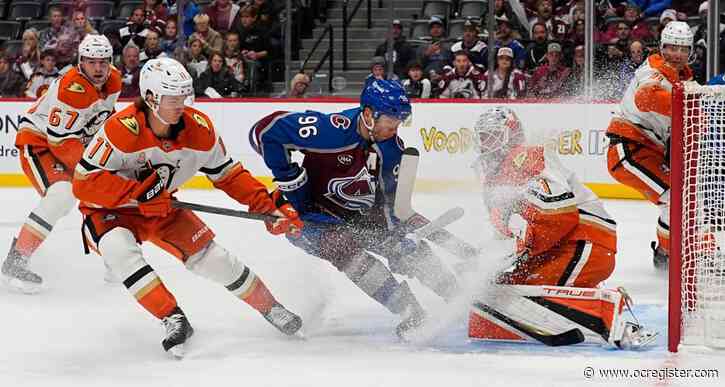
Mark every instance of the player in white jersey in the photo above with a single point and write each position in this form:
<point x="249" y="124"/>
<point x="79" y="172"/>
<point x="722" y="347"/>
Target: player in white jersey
<point x="125" y="182"/>
<point x="565" y="245"/>
<point x="51" y="137"/>
<point x="639" y="133"/>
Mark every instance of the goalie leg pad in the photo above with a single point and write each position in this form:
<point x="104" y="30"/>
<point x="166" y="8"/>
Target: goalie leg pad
<point x="553" y="309"/>
<point x="123" y="256"/>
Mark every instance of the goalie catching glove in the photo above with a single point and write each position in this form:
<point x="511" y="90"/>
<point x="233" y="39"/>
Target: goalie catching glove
<point x="288" y="221"/>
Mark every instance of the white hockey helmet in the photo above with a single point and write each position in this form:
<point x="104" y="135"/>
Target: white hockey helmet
<point x="677" y="33"/>
<point x="165" y="76"/>
<point x="96" y="47"/>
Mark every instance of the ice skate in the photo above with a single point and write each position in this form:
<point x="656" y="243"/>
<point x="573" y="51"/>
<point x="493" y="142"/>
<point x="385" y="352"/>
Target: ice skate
<point x="16" y="274"/>
<point x="178" y="330"/>
<point x="413" y="318"/>
<point x="284" y="320"/>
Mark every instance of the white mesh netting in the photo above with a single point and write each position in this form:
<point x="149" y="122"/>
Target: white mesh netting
<point x="703" y="217"/>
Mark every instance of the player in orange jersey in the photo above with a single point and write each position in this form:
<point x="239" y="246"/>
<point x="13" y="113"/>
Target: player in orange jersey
<point x="51" y="138"/>
<point x="639" y="133"/>
<point x="125" y="182"/>
<point x="565" y="243"/>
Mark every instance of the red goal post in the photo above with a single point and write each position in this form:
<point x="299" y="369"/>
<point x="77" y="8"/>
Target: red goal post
<point x="697" y="217"/>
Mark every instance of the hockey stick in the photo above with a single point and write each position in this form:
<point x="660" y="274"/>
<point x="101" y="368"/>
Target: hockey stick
<point x="403" y="209"/>
<point x="222" y="211"/>
<point x="570" y="337"/>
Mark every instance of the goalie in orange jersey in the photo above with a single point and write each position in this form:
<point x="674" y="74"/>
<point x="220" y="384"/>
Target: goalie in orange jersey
<point x="125" y="182"/>
<point x="639" y="134"/>
<point x="565" y="244"/>
<point x="51" y="137"/>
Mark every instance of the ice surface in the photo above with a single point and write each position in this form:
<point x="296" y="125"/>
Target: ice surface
<point x="83" y="332"/>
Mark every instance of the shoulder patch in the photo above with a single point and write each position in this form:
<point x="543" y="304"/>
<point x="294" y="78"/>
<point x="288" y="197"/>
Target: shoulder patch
<point x="519" y="159"/>
<point x="339" y="121"/>
<point x="201" y="120"/>
<point x="130" y="123"/>
<point x="76" y="87"/>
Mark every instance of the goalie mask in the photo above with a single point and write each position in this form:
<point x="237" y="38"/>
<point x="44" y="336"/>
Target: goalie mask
<point x="498" y="130"/>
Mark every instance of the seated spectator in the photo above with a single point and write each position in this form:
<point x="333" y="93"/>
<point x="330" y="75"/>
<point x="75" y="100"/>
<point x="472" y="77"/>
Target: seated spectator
<point x="82" y="25"/>
<point x="29" y="59"/>
<point x="504" y="38"/>
<point x="222" y="14"/>
<point x="378" y="70"/>
<point x="154" y="10"/>
<point x="576" y="13"/>
<point x="508" y="81"/>
<point x="575" y="83"/>
<point x="135" y="29"/>
<point x="556" y="27"/>
<point x="434" y="56"/>
<point x="55" y="16"/>
<point x="11" y="82"/>
<point x="609" y="58"/>
<point x="536" y="51"/>
<point x="402" y="52"/>
<point x="43" y="76"/>
<point x="637" y="54"/>
<point x="298" y="86"/>
<point x="217" y="81"/>
<point x="633" y="17"/>
<point x="503" y="8"/>
<point x="464" y="80"/>
<point x="196" y="60"/>
<point x="415" y="85"/>
<point x="152" y="47"/>
<point x="130" y="69"/>
<point x="66" y="51"/>
<point x="233" y="56"/>
<point x="211" y="40"/>
<point x="471" y="44"/>
<point x="171" y="41"/>
<point x="549" y="80"/>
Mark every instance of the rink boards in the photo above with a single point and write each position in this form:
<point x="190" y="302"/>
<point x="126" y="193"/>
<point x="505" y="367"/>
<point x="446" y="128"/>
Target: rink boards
<point x="441" y="130"/>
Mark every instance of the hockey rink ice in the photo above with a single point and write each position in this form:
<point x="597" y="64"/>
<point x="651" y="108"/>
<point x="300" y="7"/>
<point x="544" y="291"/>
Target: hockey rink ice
<point x="81" y="331"/>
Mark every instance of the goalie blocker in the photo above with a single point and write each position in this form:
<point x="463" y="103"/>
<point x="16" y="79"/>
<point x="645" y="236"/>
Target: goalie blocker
<point x="528" y="314"/>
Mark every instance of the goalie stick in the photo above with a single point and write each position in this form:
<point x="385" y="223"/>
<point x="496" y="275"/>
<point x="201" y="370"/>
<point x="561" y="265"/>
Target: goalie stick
<point x="570" y="337"/>
<point x="404" y="211"/>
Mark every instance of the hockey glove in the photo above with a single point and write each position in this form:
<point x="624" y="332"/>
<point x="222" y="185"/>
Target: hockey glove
<point x="295" y="188"/>
<point x="288" y="221"/>
<point x="153" y="198"/>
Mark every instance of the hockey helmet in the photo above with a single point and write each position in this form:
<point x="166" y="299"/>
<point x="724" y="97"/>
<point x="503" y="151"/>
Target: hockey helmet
<point x="96" y="47"/>
<point x="165" y="76"/>
<point x="386" y="97"/>
<point x="677" y="33"/>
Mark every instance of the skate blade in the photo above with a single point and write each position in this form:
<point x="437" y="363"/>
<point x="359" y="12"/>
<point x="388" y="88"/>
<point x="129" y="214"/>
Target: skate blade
<point x="177" y="352"/>
<point x="23" y="287"/>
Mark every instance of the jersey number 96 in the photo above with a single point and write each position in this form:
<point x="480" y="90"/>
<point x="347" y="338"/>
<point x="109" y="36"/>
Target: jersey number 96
<point x="309" y="129"/>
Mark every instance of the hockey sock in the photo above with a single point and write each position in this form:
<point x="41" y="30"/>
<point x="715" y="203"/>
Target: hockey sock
<point x="56" y="203"/>
<point x="252" y="290"/>
<point x="150" y="292"/>
<point x="374" y="278"/>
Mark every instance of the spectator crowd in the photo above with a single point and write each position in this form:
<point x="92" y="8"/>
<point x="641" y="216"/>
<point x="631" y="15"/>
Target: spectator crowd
<point x="234" y="48"/>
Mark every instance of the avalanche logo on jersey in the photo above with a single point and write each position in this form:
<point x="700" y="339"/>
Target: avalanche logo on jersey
<point x="340" y="122"/>
<point x="355" y="193"/>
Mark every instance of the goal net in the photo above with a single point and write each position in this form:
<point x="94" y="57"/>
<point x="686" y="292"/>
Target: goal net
<point x="697" y="217"/>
